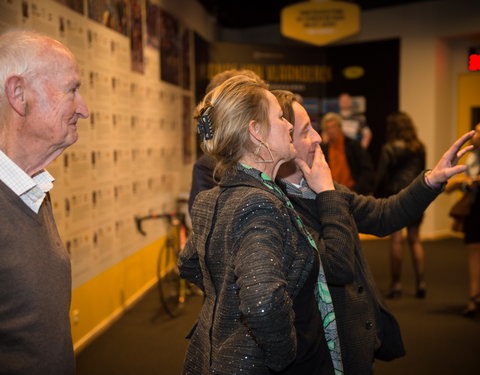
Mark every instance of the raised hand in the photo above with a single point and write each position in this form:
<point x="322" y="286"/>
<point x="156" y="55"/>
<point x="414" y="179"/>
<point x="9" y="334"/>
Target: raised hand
<point x="318" y="176"/>
<point x="447" y="165"/>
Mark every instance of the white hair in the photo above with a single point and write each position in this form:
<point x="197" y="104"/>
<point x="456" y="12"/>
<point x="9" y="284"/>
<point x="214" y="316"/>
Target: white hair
<point x="22" y="53"/>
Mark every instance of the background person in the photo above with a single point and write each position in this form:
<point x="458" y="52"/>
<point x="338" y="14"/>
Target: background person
<point x="354" y="123"/>
<point x="401" y="160"/>
<point x="267" y="307"/>
<point x="351" y="165"/>
<point x="334" y="217"/>
<point x="470" y="181"/>
<point x="39" y="108"/>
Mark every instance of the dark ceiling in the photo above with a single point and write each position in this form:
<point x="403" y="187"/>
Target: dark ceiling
<point x="238" y="14"/>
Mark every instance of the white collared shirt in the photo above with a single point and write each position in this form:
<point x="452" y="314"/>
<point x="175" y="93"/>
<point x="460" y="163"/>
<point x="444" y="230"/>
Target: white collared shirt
<point x="302" y="184"/>
<point x="31" y="190"/>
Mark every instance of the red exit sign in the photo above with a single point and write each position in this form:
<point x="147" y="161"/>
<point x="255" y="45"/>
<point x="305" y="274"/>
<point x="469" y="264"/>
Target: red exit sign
<point x="474" y="59"/>
<point x="474" y="62"/>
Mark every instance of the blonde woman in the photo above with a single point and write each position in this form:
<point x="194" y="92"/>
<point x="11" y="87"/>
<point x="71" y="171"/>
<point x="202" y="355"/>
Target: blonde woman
<point x="266" y="300"/>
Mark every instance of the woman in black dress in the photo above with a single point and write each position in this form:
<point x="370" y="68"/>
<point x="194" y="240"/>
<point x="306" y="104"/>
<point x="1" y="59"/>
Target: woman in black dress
<point x="401" y="160"/>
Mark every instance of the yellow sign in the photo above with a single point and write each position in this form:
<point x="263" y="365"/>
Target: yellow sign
<point x="320" y="22"/>
<point x="353" y="72"/>
<point x="279" y="72"/>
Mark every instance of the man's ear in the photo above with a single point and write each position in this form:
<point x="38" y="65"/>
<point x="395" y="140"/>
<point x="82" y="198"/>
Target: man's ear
<point x="15" y="93"/>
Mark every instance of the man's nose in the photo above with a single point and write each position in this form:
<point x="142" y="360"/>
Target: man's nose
<point x="82" y="108"/>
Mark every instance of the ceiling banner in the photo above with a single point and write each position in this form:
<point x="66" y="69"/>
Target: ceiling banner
<point x="320" y="22"/>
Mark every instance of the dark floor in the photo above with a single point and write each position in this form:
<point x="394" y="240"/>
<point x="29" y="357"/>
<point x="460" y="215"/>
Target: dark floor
<point x="438" y="339"/>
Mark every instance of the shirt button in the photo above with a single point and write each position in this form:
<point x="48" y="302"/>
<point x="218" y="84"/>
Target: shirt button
<point x="368" y="325"/>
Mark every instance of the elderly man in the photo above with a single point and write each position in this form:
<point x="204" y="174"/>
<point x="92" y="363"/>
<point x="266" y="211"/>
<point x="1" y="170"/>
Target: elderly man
<point x="40" y="105"/>
<point x="334" y="216"/>
<point x="351" y="165"/>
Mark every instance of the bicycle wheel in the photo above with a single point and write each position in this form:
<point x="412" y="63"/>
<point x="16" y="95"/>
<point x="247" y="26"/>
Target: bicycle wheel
<point x="171" y="288"/>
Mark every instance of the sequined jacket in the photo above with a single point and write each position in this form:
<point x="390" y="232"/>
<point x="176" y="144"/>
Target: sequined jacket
<point x="365" y="326"/>
<point x="251" y="262"/>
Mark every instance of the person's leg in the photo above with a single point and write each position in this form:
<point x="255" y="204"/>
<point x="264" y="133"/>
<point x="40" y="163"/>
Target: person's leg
<point x="474" y="277"/>
<point x="418" y="259"/>
<point x="396" y="256"/>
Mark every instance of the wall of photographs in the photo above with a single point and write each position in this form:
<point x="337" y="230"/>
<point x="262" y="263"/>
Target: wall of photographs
<point x="134" y="152"/>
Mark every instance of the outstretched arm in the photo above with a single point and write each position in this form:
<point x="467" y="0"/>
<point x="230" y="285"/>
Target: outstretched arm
<point x="383" y="216"/>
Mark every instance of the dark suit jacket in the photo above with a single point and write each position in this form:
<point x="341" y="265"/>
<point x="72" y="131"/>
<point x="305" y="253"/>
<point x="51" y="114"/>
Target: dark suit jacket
<point x="365" y="326"/>
<point x="202" y="177"/>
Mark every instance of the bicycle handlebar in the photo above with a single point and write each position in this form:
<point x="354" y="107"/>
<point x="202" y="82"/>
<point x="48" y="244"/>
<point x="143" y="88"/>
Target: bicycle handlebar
<point x="173" y="218"/>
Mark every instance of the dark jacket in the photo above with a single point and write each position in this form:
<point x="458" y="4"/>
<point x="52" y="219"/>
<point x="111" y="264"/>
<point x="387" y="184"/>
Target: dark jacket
<point x="251" y="261"/>
<point x="202" y="177"/>
<point x="397" y="167"/>
<point x="360" y="163"/>
<point x="365" y="326"/>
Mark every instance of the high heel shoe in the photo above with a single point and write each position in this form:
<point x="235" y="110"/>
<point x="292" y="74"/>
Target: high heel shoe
<point x="394" y="294"/>
<point x="473" y="306"/>
<point x="421" y="293"/>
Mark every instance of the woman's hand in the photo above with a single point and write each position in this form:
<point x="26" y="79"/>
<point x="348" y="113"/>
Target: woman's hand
<point x="447" y="165"/>
<point x="318" y="177"/>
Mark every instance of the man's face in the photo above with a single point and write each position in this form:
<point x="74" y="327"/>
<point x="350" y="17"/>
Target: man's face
<point x="305" y="137"/>
<point x="55" y="105"/>
<point x="345" y="102"/>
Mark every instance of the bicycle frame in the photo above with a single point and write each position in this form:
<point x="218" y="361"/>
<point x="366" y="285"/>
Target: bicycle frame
<point x="170" y="286"/>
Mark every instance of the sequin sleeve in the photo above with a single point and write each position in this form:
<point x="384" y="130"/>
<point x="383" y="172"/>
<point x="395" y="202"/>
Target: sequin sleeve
<point x="188" y="263"/>
<point x="261" y="249"/>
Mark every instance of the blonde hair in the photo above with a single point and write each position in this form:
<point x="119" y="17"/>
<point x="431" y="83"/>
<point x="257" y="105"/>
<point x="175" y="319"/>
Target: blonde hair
<point x="331" y="116"/>
<point x="234" y="104"/>
<point x="221" y="77"/>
